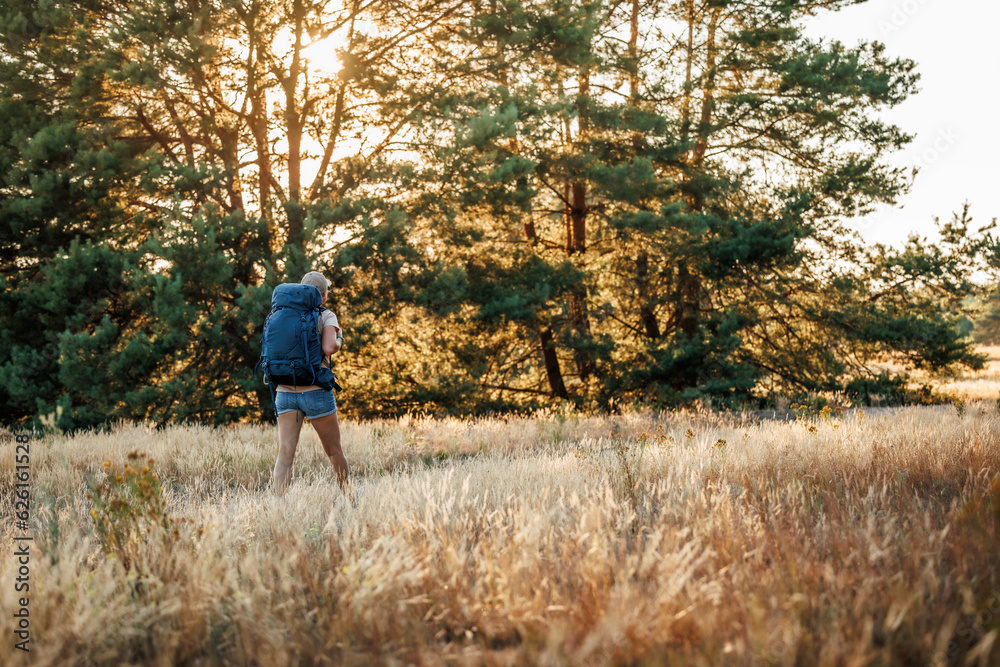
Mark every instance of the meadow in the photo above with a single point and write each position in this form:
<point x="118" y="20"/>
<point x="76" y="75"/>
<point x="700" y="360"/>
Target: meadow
<point x="867" y="537"/>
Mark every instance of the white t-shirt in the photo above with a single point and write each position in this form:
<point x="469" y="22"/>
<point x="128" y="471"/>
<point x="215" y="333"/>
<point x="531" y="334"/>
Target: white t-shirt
<point x="326" y="319"/>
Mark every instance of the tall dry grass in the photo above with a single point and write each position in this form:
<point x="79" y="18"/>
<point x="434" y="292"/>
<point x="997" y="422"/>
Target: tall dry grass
<point x="981" y="385"/>
<point x="550" y="539"/>
<point x="978" y="385"/>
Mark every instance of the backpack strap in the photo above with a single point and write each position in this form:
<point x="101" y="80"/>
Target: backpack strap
<point x="319" y="335"/>
<point x="305" y="343"/>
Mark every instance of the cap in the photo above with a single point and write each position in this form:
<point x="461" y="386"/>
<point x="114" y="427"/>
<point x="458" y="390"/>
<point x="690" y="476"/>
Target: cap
<point x="316" y="279"/>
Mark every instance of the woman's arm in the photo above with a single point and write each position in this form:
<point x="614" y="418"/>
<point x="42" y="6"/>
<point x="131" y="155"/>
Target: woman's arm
<point x="332" y="340"/>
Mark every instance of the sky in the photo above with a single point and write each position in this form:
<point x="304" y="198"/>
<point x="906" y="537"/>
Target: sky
<point x="954" y="116"/>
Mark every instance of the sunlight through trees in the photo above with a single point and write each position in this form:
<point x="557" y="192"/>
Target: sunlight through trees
<point x="519" y="202"/>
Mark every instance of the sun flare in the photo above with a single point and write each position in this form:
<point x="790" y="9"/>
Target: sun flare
<point x="321" y="55"/>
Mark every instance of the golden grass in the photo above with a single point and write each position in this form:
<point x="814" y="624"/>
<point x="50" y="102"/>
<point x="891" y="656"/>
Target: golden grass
<point x="983" y="385"/>
<point x="865" y="539"/>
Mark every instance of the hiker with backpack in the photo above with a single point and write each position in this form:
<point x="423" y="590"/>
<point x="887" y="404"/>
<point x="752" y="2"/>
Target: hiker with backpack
<point x="299" y="337"/>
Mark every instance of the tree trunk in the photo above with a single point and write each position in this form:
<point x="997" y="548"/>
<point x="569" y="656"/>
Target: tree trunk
<point x="552" y="364"/>
<point x="708" y="99"/>
<point x="529" y="230"/>
<point x="633" y="55"/>
<point x="687" y="301"/>
<point x="688" y="82"/>
<point x="580" y="319"/>
<point x="258" y="126"/>
<point x="578" y="219"/>
<point x="689" y="286"/>
<point x="338" y="112"/>
<point x="549" y="358"/>
<point x="576" y="242"/>
<point x="646" y="315"/>
<point x="293" y="127"/>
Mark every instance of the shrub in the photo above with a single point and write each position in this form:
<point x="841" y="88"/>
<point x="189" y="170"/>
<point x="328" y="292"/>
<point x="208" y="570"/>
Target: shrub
<point x="882" y="389"/>
<point x="129" y="508"/>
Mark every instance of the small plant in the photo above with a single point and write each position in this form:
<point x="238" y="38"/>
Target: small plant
<point x="806" y="414"/>
<point x="960" y="408"/>
<point x="629" y="456"/>
<point x="128" y="508"/>
<point x="827" y="414"/>
<point x="659" y="439"/>
<point x="625" y="470"/>
<point x="719" y="451"/>
<point x="802" y="411"/>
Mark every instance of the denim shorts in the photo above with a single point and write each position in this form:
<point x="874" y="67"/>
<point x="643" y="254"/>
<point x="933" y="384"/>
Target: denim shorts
<point x="315" y="404"/>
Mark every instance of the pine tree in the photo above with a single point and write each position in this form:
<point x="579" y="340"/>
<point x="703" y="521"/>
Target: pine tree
<point x="134" y="171"/>
<point x="69" y="231"/>
<point x="685" y="198"/>
<point x="517" y="200"/>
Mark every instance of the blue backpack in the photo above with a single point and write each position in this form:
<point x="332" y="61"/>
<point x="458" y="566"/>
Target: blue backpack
<point x="291" y="351"/>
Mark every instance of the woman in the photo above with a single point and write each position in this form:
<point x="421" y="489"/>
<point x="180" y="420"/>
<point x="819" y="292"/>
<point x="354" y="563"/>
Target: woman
<point x="319" y="406"/>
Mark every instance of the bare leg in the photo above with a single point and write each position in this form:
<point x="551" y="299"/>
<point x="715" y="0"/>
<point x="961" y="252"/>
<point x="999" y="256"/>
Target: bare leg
<point x="289" y="425"/>
<point x="328" y="429"/>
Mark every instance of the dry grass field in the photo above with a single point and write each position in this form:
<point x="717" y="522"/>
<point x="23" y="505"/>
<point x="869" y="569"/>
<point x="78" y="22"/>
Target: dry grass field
<point x="980" y="385"/>
<point x="868" y="538"/>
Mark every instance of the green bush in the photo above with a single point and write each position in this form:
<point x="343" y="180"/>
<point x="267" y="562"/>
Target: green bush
<point x="886" y="389"/>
